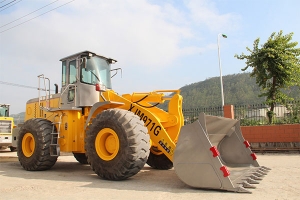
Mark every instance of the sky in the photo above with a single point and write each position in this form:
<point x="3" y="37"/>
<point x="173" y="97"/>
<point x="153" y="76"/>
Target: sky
<point x="160" y="45"/>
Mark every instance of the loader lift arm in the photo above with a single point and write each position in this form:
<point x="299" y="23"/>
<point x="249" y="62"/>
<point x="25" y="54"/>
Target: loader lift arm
<point x="163" y="127"/>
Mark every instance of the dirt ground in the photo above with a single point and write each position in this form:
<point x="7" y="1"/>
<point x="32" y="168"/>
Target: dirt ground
<point x="70" y="180"/>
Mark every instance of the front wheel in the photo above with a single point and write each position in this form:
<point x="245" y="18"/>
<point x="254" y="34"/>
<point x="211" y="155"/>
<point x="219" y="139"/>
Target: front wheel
<point x="158" y="160"/>
<point x="117" y="144"/>
<point x="34" y="145"/>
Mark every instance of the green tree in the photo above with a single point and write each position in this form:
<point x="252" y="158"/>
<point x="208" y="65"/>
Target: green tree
<point x="276" y="66"/>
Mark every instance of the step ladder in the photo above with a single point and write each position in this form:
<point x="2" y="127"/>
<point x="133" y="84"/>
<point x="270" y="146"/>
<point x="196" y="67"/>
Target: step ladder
<point x="54" y="145"/>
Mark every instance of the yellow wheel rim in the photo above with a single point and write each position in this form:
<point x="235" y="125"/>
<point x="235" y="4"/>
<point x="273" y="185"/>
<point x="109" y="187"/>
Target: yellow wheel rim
<point x="107" y="144"/>
<point x="28" y="144"/>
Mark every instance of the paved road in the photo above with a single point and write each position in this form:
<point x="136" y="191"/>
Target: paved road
<point x="70" y="180"/>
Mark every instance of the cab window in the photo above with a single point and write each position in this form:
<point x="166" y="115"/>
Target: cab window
<point x="72" y="72"/>
<point x="64" y="73"/>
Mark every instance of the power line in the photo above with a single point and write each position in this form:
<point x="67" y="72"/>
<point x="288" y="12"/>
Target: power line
<point x="29" y="14"/>
<point x="19" y="85"/>
<point x="7" y="4"/>
<point x="37" y="16"/>
<point x="10" y="5"/>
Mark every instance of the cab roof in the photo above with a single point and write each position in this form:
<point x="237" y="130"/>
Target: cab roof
<point x="87" y="53"/>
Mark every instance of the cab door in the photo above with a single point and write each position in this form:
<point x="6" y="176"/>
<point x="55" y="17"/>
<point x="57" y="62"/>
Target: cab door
<point x="69" y="82"/>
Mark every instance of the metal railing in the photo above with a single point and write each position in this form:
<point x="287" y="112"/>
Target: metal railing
<point x="44" y="88"/>
<point x="251" y="115"/>
<point x="191" y="115"/>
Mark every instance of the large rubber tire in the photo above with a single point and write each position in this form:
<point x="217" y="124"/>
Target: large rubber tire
<point x="117" y="144"/>
<point x="158" y="160"/>
<point x="81" y="158"/>
<point x="34" y="145"/>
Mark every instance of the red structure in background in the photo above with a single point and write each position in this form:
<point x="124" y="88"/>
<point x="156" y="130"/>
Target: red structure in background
<point x="273" y="137"/>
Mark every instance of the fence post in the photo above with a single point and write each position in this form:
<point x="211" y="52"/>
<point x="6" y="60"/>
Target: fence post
<point x="228" y="111"/>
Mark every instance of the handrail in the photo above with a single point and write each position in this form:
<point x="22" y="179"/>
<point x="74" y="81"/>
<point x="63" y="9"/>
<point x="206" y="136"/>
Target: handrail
<point x="47" y="99"/>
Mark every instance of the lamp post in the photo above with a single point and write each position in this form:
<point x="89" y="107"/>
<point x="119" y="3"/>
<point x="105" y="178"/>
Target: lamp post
<point x="222" y="93"/>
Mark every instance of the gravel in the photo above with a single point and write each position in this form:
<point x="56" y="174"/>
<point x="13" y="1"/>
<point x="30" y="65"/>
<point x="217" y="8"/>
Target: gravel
<point x="70" y="180"/>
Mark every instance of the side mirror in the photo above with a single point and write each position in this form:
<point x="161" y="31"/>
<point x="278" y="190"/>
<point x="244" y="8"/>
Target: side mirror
<point x="116" y="71"/>
<point x="83" y="62"/>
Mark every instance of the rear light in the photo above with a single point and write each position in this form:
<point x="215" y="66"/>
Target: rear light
<point x="100" y="87"/>
<point x="97" y="87"/>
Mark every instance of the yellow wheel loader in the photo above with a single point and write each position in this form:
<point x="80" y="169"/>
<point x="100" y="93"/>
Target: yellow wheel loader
<point x="6" y="127"/>
<point x="118" y="134"/>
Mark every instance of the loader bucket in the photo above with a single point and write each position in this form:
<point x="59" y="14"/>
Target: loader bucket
<point x="211" y="153"/>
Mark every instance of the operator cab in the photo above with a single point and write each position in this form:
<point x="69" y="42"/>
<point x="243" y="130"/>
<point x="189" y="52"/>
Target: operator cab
<point x="84" y="75"/>
<point x="4" y="110"/>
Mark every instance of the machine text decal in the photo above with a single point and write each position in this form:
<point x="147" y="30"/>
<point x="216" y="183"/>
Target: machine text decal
<point x="166" y="147"/>
<point x="152" y="126"/>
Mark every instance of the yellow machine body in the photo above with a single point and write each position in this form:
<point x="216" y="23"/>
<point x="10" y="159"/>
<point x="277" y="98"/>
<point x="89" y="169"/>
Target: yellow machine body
<point x="71" y="138"/>
<point x="6" y="127"/>
<point x="163" y="127"/>
<point x="118" y="134"/>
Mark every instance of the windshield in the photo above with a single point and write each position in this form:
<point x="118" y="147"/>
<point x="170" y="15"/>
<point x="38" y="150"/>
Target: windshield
<point x="3" y="112"/>
<point x="97" y="70"/>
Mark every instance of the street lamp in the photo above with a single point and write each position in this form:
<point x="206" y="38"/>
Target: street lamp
<point x="222" y="94"/>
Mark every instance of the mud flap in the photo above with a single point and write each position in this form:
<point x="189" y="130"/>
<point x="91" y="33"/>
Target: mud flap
<point x="211" y="153"/>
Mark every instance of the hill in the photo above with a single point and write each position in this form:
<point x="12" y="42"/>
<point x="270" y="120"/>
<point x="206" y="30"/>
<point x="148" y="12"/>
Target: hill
<point x="239" y="89"/>
<point x="18" y="118"/>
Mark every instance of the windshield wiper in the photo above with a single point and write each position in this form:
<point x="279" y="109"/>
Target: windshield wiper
<point x="95" y="76"/>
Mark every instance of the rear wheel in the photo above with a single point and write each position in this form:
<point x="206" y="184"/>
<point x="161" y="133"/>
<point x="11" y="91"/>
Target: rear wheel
<point x="117" y="144"/>
<point x="34" y="145"/>
<point x="12" y="149"/>
<point x="158" y="160"/>
<point x="81" y="158"/>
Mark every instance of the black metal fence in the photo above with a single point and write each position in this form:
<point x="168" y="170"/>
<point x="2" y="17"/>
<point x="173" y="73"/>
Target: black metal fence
<point x="251" y="115"/>
<point x="191" y="115"/>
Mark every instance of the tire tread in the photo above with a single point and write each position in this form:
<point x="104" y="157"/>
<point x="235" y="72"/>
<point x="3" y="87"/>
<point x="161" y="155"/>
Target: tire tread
<point x="136" y="136"/>
<point x="41" y="159"/>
